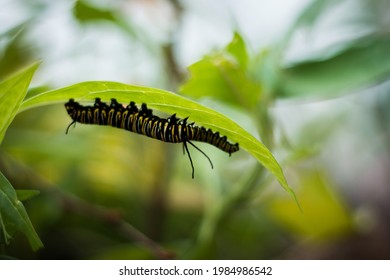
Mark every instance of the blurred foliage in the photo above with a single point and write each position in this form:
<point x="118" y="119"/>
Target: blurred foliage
<point x="12" y="92"/>
<point x="347" y="64"/>
<point x="356" y="66"/>
<point x="324" y="216"/>
<point x="101" y="193"/>
<point x="14" y="217"/>
<point x="85" y="12"/>
<point x="225" y="76"/>
<point x="14" y="53"/>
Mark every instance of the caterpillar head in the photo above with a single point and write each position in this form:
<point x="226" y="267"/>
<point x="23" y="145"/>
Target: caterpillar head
<point x="72" y="107"/>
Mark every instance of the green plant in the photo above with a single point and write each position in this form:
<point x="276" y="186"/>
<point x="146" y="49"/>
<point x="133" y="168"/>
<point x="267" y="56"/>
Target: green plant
<point x="156" y="98"/>
<point x="243" y="84"/>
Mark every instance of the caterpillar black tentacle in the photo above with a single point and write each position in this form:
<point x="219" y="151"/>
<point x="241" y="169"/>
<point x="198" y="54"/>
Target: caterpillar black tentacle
<point x="142" y="121"/>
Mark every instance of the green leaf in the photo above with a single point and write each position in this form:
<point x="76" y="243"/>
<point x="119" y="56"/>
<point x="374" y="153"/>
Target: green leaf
<point x="84" y="13"/>
<point x="26" y="194"/>
<point x="237" y="49"/>
<point x="168" y="102"/>
<point x="224" y="75"/>
<point x="356" y="67"/>
<point x="342" y="66"/>
<point x="13" y="216"/>
<point x="14" y="52"/>
<point x="312" y="13"/>
<point x="12" y="92"/>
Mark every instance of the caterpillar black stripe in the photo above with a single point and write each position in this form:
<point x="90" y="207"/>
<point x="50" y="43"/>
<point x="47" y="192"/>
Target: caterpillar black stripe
<point x="142" y="121"/>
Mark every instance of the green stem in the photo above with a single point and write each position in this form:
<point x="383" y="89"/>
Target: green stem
<point x="221" y="209"/>
<point x="239" y="194"/>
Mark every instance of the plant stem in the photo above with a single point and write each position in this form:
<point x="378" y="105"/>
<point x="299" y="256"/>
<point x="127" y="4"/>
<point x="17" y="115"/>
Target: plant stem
<point x="221" y="209"/>
<point x="238" y="195"/>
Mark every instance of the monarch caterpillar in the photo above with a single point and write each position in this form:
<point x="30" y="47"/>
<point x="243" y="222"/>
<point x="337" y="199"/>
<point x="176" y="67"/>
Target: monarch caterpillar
<point x="142" y="121"/>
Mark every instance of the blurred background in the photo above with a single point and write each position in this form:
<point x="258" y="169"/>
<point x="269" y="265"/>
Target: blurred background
<point x="311" y="79"/>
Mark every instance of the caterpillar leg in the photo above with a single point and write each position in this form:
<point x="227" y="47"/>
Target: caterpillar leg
<point x="185" y="148"/>
<point x="67" y="129"/>
<point x="189" y="156"/>
<point x="212" y="167"/>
